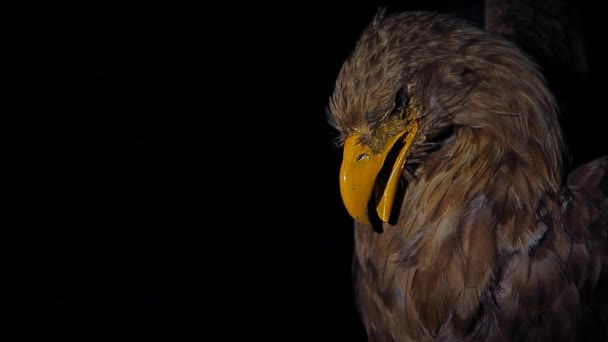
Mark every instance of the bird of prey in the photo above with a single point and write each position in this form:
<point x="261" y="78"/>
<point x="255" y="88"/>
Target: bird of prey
<point x="467" y="225"/>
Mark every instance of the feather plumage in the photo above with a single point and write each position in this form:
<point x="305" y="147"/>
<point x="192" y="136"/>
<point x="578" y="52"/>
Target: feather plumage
<point x="490" y="241"/>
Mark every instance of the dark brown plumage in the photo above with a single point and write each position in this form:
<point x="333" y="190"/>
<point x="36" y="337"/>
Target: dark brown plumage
<point x="486" y="238"/>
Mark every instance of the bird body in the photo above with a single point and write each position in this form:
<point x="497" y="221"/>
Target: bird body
<point x="466" y="226"/>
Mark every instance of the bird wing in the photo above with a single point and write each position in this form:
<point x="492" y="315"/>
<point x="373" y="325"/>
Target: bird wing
<point x="587" y="215"/>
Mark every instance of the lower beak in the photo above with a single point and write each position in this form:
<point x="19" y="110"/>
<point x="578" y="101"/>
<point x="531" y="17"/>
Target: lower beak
<point x="360" y="169"/>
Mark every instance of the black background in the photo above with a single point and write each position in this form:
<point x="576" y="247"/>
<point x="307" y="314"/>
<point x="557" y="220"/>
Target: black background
<point x="181" y="178"/>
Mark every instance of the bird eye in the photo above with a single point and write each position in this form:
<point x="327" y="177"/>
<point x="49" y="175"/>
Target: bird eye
<point x="401" y="101"/>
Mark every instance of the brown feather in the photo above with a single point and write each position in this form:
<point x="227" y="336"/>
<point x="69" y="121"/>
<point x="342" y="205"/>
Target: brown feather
<point x="488" y="245"/>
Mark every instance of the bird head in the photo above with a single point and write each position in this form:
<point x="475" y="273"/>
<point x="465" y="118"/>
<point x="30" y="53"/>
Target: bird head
<point x="412" y="83"/>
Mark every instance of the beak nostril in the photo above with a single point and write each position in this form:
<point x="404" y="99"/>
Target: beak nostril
<point x="362" y="157"/>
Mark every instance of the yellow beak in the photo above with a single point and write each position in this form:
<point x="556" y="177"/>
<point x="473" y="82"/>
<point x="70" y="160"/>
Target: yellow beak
<point x="360" y="169"/>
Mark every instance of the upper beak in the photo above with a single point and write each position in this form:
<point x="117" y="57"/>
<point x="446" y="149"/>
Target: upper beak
<point x="360" y="169"/>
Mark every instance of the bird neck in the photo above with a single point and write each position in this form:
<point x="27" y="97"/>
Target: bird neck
<point x="504" y="177"/>
<point x="472" y="203"/>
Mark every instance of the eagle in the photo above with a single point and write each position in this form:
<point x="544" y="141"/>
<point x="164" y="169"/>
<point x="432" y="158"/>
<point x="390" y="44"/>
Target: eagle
<point x="467" y="225"/>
